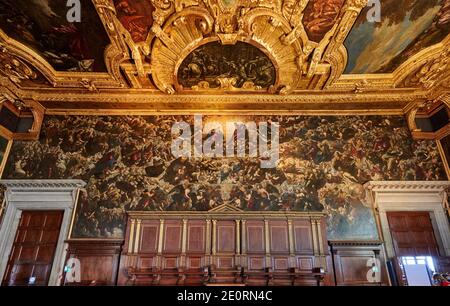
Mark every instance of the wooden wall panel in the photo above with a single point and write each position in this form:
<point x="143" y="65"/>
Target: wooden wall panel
<point x="279" y="242"/>
<point x="172" y="236"/>
<point x="196" y="236"/>
<point x="302" y="237"/>
<point x="149" y="238"/>
<point x="230" y="247"/>
<point x="255" y="237"/>
<point x="412" y="234"/>
<point x="256" y="263"/>
<point x="226" y="237"/>
<point x="99" y="260"/>
<point x="351" y="260"/>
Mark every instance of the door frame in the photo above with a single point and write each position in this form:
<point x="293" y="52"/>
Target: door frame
<point x="402" y="196"/>
<point x="38" y="195"/>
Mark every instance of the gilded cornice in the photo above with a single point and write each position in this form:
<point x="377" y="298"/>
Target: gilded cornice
<point x="135" y="85"/>
<point x="402" y="186"/>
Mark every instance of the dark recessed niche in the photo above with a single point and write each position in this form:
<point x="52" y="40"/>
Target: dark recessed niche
<point x="440" y="119"/>
<point x="435" y="122"/>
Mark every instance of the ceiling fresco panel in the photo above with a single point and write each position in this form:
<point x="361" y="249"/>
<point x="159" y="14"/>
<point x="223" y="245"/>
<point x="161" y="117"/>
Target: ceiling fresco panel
<point x="136" y="17"/>
<point x="406" y="28"/>
<point x="320" y="16"/>
<point x="42" y="26"/>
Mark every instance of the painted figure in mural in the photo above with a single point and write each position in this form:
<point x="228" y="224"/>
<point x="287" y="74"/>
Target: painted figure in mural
<point x="213" y="61"/>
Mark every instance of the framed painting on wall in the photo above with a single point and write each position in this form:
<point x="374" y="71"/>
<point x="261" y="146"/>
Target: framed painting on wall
<point x="444" y="148"/>
<point x="5" y="147"/>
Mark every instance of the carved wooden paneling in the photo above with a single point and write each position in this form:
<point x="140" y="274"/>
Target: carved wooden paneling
<point x="353" y="263"/>
<point x="149" y="238"/>
<point x="172" y="237"/>
<point x="303" y="237"/>
<point x="224" y="248"/>
<point x="99" y="260"/>
<point x="305" y="263"/>
<point x="226" y="237"/>
<point x="196" y="236"/>
<point x="255" y="237"/>
<point x="256" y="263"/>
<point x="279" y="237"/>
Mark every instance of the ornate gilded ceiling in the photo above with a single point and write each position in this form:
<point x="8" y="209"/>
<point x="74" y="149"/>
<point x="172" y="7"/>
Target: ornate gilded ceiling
<point x="216" y="56"/>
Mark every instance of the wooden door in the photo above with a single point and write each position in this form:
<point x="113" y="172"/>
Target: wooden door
<point x="31" y="258"/>
<point x="412" y="234"/>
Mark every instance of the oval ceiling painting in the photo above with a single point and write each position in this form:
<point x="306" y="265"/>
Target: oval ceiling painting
<point x="242" y="64"/>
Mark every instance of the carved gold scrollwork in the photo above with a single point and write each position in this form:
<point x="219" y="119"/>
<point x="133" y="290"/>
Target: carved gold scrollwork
<point x="275" y="27"/>
<point x="14" y="68"/>
<point x="180" y="35"/>
<point x="431" y="72"/>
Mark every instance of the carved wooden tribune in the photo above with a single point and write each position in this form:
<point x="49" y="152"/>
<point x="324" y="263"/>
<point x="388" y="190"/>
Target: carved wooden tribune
<point x="225" y="246"/>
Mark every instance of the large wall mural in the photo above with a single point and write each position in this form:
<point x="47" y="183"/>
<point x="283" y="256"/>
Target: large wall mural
<point x="413" y="26"/>
<point x="212" y="62"/>
<point x="42" y="25"/>
<point x="127" y="164"/>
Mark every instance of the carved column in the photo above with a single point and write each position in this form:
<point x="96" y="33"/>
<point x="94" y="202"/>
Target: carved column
<point x="267" y="238"/>
<point x="244" y="243"/>
<point x="291" y="243"/>
<point x="208" y="243"/>
<point x="160" y="243"/>
<point x="184" y="243"/>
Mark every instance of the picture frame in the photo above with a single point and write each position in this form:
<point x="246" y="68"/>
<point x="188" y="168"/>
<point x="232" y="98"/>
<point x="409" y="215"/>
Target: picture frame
<point x="5" y="148"/>
<point x="444" y="149"/>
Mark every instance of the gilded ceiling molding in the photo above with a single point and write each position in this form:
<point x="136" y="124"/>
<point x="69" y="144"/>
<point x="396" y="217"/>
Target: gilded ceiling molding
<point x="301" y="97"/>
<point x="338" y="61"/>
<point x="14" y="68"/>
<point x="429" y="70"/>
<point x="276" y="28"/>
<point x="351" y="11"/>
<point x="24" y="57"/>
<point x="445" y="99"/>
<point x="403" y="186"/>
<point x="425" y="69"/>
<point x="121" y="43"/>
